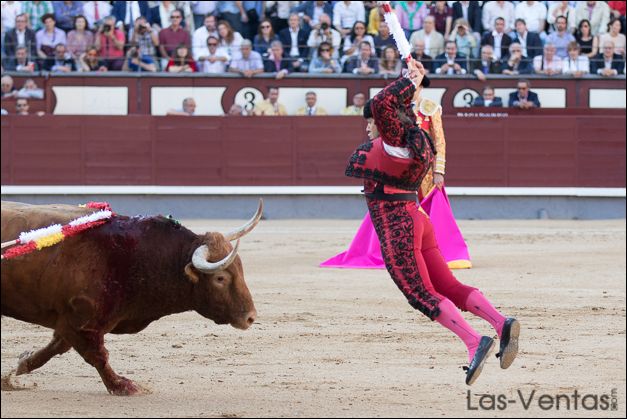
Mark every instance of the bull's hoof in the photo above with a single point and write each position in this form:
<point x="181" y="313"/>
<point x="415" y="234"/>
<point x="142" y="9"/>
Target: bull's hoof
<point x="126" y="387"/>
<point x="22" y="364"/>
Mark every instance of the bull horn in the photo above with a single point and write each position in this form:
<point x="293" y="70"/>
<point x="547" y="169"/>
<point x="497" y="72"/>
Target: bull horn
<point x="246" y="228"/>
<point x="201" y="254"/>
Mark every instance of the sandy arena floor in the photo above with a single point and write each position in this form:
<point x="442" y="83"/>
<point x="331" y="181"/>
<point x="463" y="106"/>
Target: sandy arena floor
<point x="334" y="342"/>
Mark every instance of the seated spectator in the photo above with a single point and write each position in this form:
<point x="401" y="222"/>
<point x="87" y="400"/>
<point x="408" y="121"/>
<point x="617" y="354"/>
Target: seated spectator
<point x="65" y="12"/>
<point x="34" y="10"/>
<point x="8" y="90"/>
<point x="145" y="38"/>
<point x="22" y="107"/>
<point x="249" y="63"/>
<point x="411" y="15"/>
<point x="488" y="64"/>
<point x="560" y="38"/>
<point x="20" y="36"/>
<point x="589" y="44"/>
<point x="95" y="11"/>
<point x="137" y="62"/>
<point x="346" y="13"/>
<point x="110" y="43"/>
<point x="230" y="40"/>
<point x="443" y="15"/>
<point x="174" y="35"/>
<point x="464" y="38"/>
<point x="530" y="42"/>
<point x="597" y="12"/>
<point x="159" y="15"/>
<point x="276" y="63"/>
<point x="434" y="40"/>
<point x="451" y="62"/>
<point x="90" y="61"/>
<point x="515" y="63"/>
<point x="576" y="65"/>
<point x="325" y="33"/>
<point x="608" y="63"/>
<point x="383" y="39"/>
<point x="613" y="34"/>
<point x="498" y="9"/>
<point x="215" y="60"/>
<point x="562" y="8"/>
<point x="419" y="55"/>
<point x="201" y="36"/>
<point x="487" y="99"/>
<point x="363" y="64"/>
<point x="523" y="98"/>
<point x="534" y="14"/>
<point x="182" y="62"/>
<point x="498" y="39"/>
<point x="390" y="64"/>
<point x="294" y="40"/>
<point x="21" y="62"/>
<point x="353" y="41"/>
<point x="312" y="10"/>
<point x="188" y="109"/>
<point x="30" y="90"/>
<point x="62" y="62"/>
<point x="311" y="109"/>
<point x="618" y="10"/>
<point x="48" y="37"/>
<point x="264" y="38"/>
<point x="80" y="37"/>
<point x="236" y="110"/>
<point x="271" y="106"/>
<point x="357" y="108"/>
<point x="549" y="63"/>
<point x="324" y="63"/>
<point x="469" y="11"/>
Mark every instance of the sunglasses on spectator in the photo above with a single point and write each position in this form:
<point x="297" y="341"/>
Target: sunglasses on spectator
<point x="21" y="105"/>
<point x="265" y="26"/>
<point x="175" y="17"/>
<point x="522" y="88"/>
<point x="213" y="44"/>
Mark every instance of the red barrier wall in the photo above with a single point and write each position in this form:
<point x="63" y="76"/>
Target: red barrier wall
<point x="568" y="148"/>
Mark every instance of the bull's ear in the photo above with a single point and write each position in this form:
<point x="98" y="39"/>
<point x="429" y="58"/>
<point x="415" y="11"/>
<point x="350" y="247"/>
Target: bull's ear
<point x="191" y="274"/>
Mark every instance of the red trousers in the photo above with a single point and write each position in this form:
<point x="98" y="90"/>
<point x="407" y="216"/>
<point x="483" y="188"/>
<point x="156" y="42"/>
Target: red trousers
<point x="412" y="256"/>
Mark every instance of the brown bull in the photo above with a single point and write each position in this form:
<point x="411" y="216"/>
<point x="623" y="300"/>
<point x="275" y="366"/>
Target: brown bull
<point x="118" y="278"/>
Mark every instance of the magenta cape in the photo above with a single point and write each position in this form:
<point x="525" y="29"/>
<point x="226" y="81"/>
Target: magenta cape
<point x="364" y="251"/>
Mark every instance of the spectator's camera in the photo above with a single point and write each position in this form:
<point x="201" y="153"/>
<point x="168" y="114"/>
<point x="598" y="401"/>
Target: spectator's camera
<point x="106" y="28"/>
<point x="142" y="29"/>
<point x="324" y="26"/>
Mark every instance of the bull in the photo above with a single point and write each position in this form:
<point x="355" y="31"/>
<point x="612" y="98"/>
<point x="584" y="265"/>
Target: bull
<point x="118" y="278"/>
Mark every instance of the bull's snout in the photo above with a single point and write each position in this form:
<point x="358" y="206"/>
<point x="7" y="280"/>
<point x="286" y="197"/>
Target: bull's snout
<point x="246" y="321"/>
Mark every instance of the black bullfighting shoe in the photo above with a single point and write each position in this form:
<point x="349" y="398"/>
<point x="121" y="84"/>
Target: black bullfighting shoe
<point x="509" y="342"/>
<point x="486" y="344"/>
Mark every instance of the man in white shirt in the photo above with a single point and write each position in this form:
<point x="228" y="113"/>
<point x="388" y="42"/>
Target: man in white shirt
<point x="534" y="13"/>
<point x="494" y="9"/>
<point x="215" y="59"/>
<point x="575" y="64"/>
<point x="201" y="35"/>
<point x="346" y="13"/>
<point x="549" y="63"/>
<point x="95" y="11"/>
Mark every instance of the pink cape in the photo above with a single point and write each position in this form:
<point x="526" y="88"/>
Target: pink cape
<point x="364" y="251"/>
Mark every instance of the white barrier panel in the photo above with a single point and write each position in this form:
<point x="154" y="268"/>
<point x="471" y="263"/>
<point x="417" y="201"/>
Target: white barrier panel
<point x="91" y="100"/>
<point x="208" y="99"/>
<point x="607" y="98"/>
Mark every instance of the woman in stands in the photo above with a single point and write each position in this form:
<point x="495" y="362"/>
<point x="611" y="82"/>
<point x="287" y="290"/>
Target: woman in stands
<point x="393" y="165"/>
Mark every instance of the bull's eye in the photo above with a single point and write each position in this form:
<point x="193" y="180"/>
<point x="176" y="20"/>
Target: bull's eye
<point x="220" y="280"/>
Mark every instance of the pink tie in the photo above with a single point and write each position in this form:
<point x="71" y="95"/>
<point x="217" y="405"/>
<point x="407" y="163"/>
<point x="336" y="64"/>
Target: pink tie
<point x="96" y="14"/>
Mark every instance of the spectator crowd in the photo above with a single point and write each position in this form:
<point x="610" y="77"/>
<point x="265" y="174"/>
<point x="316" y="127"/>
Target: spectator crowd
<point x="320" y="37"/>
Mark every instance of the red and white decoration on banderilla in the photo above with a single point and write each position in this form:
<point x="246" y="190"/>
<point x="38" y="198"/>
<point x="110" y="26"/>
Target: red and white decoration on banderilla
<point x="49" y="236"/>
<point x="395" y="29"/>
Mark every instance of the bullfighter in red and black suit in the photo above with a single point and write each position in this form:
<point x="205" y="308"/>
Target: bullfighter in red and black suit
<point x="393" y="165"/>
